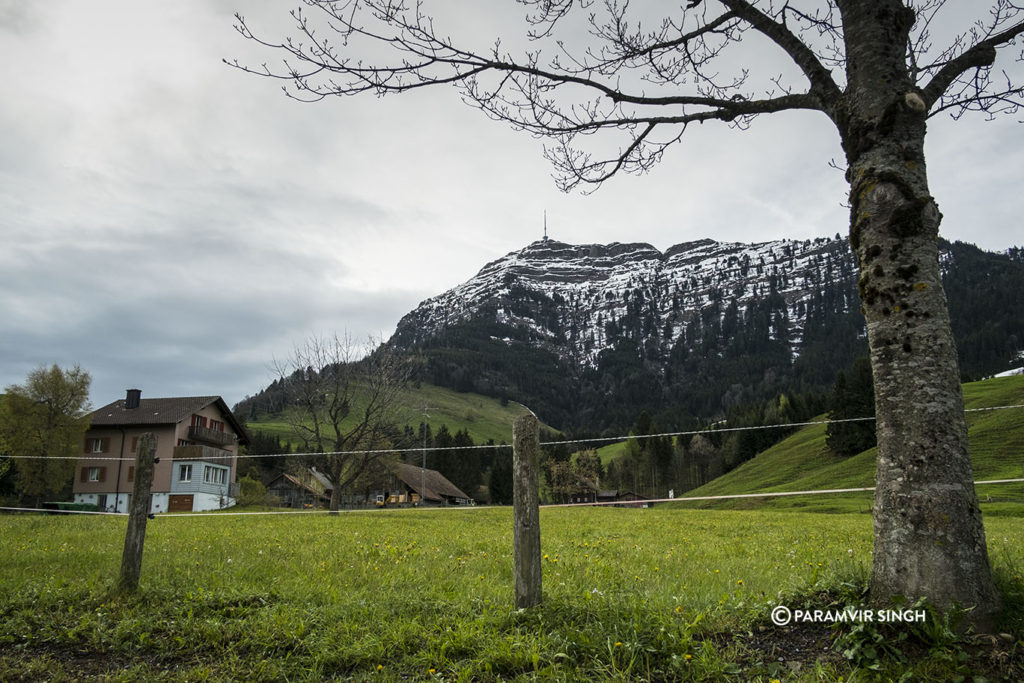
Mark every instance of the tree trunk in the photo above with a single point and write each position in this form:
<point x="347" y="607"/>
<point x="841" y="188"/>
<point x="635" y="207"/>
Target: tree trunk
<point x="929" y="538"/>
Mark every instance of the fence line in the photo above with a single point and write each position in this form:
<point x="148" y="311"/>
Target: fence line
<point x="620" y="503"/>
<point x="420" y="449"/>
<point x="766" y="494"/>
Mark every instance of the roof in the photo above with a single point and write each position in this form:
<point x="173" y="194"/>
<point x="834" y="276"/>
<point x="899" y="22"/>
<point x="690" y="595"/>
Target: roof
<point x="322" y="478"/>
<point x="163" y="411"/>
<point x="434" y="484"/>
<point x="298" y="483"/>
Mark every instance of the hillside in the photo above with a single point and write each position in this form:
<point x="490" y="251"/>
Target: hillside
<point x="484" y="418"/>
<point x="803" y="462"/>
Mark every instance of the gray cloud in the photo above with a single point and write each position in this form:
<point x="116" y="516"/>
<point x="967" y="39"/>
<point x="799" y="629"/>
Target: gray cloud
<point x="171" y="223"/>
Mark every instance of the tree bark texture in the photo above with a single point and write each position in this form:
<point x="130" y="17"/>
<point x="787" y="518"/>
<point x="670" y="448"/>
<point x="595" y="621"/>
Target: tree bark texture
<point x="526" y="511"/>
<point x="929" y="538"/>
<point x="138" y="512"/>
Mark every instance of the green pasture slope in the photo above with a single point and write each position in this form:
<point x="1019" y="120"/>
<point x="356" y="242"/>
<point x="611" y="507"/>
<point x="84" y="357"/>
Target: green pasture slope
<point x="803" y="462"/>
<point x="629" y="594"/>
<point x="483" y="417"/>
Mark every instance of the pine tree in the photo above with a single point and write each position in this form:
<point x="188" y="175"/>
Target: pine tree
<point x="852" y="397"/>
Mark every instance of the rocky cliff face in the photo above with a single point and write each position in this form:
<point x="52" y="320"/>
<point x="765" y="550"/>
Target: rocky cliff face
<point x="578" y="300"/>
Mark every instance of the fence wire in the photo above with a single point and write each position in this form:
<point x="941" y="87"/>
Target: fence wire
<point x="438" y="449"/>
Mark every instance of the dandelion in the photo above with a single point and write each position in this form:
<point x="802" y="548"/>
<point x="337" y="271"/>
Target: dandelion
<point x="618" y="643"/>
<point x="689" y="657"/>
<point x="380" y="667"/>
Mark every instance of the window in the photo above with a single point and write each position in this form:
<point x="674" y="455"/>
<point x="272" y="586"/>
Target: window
<point x="185" y="473"/>
<point x="217" y="425"/>
<point x="184" y="442"/>
<point x="198" y="421"/>
<point x="96" y="474"/>
<point x="135" y="443"/>
<point x="131" y="473"/>
<point x="96" y="445"/>
<point x="215" y="475"/>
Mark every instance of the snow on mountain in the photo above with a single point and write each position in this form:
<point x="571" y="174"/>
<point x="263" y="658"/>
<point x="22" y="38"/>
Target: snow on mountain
<point x="573" y="297"/>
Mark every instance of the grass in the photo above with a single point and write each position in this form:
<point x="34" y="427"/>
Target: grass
<point x="656" y="594"/>
<point x="483" y="417"/>
<point x="802" y="461"/>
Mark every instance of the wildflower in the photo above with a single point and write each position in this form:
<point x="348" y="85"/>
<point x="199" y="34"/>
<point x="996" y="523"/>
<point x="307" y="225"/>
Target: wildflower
<point x="740" y="582"/>
<point x="618" y="643"/>
<point x="689" y="657"/>
<point x="380" y="667"/>
<point x="679" y="609"/>
<point x="433" y="671"/>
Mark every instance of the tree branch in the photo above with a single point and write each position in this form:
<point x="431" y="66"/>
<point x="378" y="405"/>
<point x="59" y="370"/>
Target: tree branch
<point x="981" y="55"/>
<point x="820" y="78"/>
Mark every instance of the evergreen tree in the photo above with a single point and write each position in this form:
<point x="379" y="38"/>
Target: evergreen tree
<point x="499" y="483"/>
<point x="853" y="396"/>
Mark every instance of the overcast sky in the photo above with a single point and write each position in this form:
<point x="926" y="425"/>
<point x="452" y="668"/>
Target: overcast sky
<point x="172" y="224"/>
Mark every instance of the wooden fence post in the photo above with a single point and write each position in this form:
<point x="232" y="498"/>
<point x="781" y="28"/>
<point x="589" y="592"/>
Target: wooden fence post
<point x="138" y="512"/>
<point x="526" y="511"/>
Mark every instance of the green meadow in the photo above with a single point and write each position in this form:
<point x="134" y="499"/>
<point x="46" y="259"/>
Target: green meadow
<point x="629" y="594"/>
<point x="678" y="592"/>
<point x="803" y="462"/>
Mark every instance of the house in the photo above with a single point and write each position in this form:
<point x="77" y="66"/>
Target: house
<point x="412" y="484"/>
<point x="611" y="497"/>
<point x="197" y="447"/>
<point x="628" y="499"/>
<point x="308" y="488"/>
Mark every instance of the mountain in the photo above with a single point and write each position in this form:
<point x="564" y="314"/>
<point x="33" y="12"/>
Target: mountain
<point x="590" y="335"/>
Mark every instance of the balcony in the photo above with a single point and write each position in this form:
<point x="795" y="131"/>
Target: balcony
<point x="196" y="452"/>
<point x="210" y="436"/>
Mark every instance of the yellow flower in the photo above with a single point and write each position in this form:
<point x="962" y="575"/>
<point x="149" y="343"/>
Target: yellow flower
<point x="689" y="657"/>
<point x="380" y="667"/>
<point x="618" y="644"/>
<point x="433" y="671"/>
<point x="740" y="582"/>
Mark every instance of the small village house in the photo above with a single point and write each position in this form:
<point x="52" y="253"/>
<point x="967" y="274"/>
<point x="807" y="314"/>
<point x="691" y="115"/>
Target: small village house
<point x="197" y="448"/>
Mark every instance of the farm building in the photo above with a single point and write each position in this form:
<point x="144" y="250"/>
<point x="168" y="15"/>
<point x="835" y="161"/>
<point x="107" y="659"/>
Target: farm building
<point x="308" y="488"/>
<point x="620" y="499"/>
<point x="413" y="485"/>
<point x="197" y="447"/>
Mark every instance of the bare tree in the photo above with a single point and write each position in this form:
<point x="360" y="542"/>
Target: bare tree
<point x="616" y="96"/>
<point x="339" y="401"/>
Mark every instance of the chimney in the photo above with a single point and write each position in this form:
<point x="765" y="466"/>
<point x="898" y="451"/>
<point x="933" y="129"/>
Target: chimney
<point x="131" y="400"/>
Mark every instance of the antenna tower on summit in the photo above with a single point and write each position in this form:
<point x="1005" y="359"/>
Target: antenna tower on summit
<point x="545" y="238"/>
